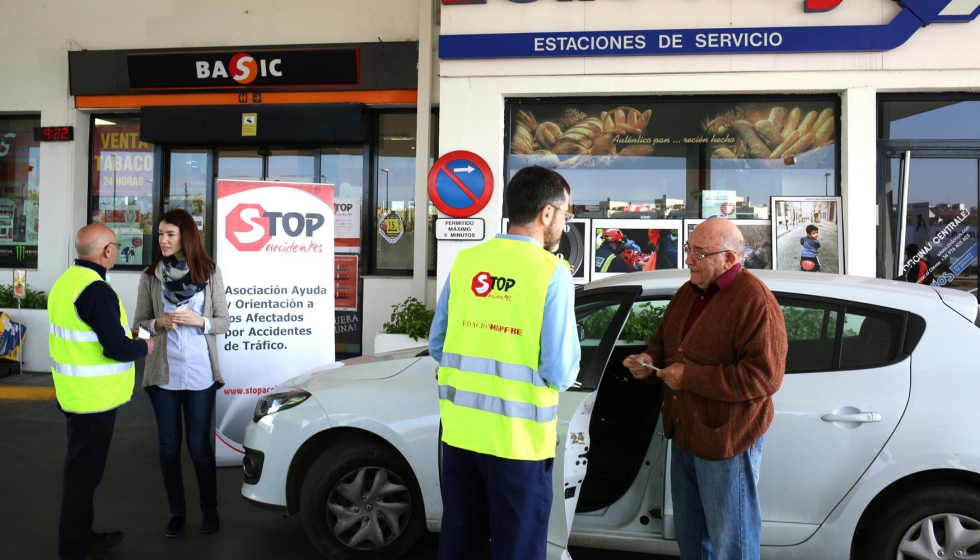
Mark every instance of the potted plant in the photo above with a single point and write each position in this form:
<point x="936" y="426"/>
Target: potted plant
<point x="33" y="314"/>
<point x="408" y="327"/>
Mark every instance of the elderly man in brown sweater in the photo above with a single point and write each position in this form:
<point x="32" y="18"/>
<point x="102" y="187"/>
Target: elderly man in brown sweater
<point x="722" y="350"/>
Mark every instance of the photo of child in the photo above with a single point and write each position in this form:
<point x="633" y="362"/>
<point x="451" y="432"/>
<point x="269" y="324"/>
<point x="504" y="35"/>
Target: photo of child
<point x="806" y="234"/>
<point x="809" y="260"/>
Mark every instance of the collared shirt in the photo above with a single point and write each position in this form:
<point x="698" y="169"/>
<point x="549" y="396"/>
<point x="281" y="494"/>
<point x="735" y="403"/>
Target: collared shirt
<point x="98" y="306"/>
<point x="560" y="350"/>
<point x="722" y="283"/>
<point x="187" y="349"/>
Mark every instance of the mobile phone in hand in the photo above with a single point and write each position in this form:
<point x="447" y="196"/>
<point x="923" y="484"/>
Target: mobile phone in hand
<point x="143" y="333"/>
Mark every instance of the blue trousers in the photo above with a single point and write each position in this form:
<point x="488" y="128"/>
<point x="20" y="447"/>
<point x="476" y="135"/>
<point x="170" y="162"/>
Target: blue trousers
<point x="195" y="408"/>
<point x="716" y="505"/>
<point x="89" y="436"/>
<point x="489" y="499"/>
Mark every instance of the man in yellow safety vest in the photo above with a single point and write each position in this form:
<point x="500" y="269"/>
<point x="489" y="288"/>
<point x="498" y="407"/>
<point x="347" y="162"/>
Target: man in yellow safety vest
<point x="92" y="355"/>
<point x="505" y="337"/>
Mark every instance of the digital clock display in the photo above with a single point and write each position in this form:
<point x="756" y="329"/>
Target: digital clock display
<point x="54" y="133"/>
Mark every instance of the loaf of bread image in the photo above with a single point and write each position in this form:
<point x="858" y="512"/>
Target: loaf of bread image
<point x="578" y="139"/>
<point x="624" y="120"/>
<point x="807" y="122"/>
<point x="825" y="131"/>
<point x="771" y="135"/>
<point x="803" y="144"/>
<point x="547" y="134"/>
<point x="523" y="141"/>
<point x="788" y="143"/>
<point x="791" y="122"/>
<point x="754" y="146"/>
<point x="776" y="116"/>
<point x="825" y="115"/>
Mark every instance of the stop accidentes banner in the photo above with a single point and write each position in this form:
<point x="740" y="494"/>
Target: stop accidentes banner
<point x="275" y="248"/>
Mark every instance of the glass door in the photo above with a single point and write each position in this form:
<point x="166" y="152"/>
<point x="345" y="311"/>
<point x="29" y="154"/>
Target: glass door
<point x="927" y="216"/>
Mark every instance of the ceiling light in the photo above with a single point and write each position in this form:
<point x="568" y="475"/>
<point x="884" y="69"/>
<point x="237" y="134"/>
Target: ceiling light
<point x="103" y="122"/>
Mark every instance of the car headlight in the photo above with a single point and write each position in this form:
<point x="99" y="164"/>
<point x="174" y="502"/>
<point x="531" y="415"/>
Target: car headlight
<point x="274" y="402"/>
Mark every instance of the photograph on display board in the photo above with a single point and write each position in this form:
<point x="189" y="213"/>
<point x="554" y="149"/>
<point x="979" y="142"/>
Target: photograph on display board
<point x="571" y="248"/>
<point x="807" y="234"/>
<point x="758" y="241"/>
<point x="624" y="246"/>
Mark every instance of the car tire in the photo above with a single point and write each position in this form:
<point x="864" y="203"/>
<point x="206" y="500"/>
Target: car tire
<point x="362" y="501"/>
<point x="924" y="523"/>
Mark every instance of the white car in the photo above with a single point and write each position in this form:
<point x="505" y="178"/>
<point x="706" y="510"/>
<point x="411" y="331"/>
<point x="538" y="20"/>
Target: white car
<point x="872" y="452"/>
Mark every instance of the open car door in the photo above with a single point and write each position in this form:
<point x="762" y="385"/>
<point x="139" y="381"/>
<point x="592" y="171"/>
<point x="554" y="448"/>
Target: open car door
<point x="600" y="315"/>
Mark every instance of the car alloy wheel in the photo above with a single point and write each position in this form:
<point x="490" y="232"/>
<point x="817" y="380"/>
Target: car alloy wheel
<point x="934" y="522"/>
<point x="941" y="536"/>
<point x="361" y="501"/>
<point x="369" y="508"/>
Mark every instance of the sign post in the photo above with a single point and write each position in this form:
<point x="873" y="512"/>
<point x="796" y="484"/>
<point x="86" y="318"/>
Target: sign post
<point x="275" y="248"/>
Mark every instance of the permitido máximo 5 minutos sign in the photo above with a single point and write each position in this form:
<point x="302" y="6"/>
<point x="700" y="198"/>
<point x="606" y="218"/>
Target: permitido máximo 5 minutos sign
<point x="456" y="229"/>
<point x="915" y="14"/>
<point x="275" y="249"/>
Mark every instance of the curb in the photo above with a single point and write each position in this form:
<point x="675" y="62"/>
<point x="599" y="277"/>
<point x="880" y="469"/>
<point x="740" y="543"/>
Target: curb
<point x="27" y="393"/>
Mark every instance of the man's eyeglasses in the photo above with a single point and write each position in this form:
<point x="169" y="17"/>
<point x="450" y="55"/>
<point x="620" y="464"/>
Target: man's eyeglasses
<point x="118" y="245"/>
<point x="700" y="255"/>
<point x="568" y="215"/>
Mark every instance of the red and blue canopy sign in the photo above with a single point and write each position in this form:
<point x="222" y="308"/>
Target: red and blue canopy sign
<point x="915" y="15"/>
<point x="460" y="184"/>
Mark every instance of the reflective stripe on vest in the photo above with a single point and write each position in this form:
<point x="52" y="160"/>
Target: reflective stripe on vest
<point x="90" y="371"/>
<point x="495" y="405"/>
<point x="75" y="336"/>
<point x="493" y="367"/>
<point x="85" y="379"/>
<point x="493" y="399"/>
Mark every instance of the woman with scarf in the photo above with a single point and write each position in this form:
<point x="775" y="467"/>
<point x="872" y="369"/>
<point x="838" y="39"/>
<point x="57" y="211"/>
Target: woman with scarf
<point x="182" y="303"/>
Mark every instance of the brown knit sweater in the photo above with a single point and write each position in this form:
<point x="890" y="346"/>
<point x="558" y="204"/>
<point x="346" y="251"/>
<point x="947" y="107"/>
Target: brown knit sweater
<point x="734" y="358"/>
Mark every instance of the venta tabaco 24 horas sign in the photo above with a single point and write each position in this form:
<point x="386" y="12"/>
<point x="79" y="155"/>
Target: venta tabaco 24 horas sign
<point x="914" y="15"/>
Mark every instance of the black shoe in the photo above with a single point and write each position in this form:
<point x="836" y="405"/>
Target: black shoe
<point x="210" y="523"/>
<point x="105" y="541"/>
<point x="175" y="527"/>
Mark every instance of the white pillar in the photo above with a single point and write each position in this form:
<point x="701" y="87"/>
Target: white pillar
<point x="859" y="157"/>
<point x="423" y="129"/>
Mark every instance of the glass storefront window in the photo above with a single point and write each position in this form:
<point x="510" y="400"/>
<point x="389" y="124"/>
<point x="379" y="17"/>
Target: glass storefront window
<point x="186" y="186"/>
<point x="122" y="186"/>
<point x="656" y="157"/>
<point x="928" y="119"/>
<point x="395" y="219"/>
<point x="20" y="169"/>
<point x="294" y="166"/>
<point x="238" y="163"/>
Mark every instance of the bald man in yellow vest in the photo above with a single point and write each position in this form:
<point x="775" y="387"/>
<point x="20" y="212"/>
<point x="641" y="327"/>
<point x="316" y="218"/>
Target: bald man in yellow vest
<point x="92" y="354"/>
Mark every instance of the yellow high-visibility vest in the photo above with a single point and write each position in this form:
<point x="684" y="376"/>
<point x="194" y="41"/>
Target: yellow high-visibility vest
<point x="85" y="380"/>
<point x="492" y="399"/>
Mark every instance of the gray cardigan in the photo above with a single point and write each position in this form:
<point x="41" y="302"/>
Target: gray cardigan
<point x="149" y="306"/>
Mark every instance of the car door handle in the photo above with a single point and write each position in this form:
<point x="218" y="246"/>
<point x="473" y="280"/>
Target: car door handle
<point x="862" y="417"/>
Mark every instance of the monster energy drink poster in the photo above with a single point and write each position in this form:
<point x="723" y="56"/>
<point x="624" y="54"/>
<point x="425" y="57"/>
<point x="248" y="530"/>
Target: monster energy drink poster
<point x="18" y="255"/>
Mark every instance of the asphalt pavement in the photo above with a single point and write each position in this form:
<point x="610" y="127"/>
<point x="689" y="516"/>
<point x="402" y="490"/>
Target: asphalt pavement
<point x="132" y="499"/>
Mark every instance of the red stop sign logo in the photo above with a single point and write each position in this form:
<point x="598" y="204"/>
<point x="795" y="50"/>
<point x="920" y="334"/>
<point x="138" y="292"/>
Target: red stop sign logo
<point x="482" y="284"/>
<point x="247" y="228"/>
<point x="727" y="209"/>
<point x="137" y="242"/>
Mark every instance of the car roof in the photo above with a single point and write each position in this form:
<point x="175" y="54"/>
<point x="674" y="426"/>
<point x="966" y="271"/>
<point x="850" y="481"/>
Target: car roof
<point x="875" y="291"/>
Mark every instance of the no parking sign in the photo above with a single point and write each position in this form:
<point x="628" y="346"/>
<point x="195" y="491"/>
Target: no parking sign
<point x="460" y="184"/>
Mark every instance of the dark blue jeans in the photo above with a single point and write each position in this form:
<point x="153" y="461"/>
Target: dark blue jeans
<point x="487" y="498"/>
<point x="194" y="410"/>
<point x="89" y="436"/>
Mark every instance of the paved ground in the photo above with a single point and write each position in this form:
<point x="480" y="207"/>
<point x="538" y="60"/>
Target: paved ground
<point x="132" y="498"/>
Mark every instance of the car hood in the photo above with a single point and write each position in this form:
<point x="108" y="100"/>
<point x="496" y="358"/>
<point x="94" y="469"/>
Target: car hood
<point x="365" y="368"/>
